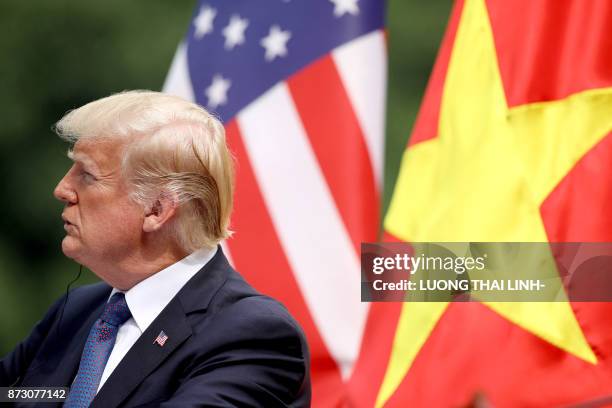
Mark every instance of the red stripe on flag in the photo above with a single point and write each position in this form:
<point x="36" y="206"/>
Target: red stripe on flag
<point x="255" y="239"/>
<point x="339" y="144"/>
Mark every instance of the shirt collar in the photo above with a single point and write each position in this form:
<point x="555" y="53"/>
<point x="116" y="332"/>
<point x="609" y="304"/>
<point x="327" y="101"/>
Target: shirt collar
<point x="149" y="297"/>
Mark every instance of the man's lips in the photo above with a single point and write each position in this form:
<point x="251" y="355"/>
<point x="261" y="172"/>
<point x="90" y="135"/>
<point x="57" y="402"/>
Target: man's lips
<point x="67" y="223"/>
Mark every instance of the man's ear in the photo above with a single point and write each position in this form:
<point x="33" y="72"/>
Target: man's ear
<point x="160" y="212"/>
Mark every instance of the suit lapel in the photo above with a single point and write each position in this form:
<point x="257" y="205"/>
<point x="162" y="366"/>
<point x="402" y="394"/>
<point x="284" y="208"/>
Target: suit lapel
<point x="145" y="355"/>
<point x="199" y="291"/>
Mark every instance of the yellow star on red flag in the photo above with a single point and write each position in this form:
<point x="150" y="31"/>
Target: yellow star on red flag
<point x="484" y="178"/>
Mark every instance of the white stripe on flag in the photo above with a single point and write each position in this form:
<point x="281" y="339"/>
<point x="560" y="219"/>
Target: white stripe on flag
<point x="362" y="65"/>
<point x="307" y="221"/>
<point x="178" y="81"/>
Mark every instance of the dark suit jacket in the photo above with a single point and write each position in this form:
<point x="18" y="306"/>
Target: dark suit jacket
<point x="227" y="345"/>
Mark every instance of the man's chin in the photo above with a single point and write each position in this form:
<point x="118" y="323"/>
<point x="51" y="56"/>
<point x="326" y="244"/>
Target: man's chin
<point x="71" y="248"/>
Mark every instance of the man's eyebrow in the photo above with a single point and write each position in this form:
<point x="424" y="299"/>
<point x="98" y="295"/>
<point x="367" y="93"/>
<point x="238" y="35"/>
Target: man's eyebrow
<point x="81" y="158"/>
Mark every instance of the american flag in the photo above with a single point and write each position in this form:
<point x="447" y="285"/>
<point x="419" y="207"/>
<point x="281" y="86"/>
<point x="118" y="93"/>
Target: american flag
<point x="301" y="88"/>
<point x="161" y="339"/>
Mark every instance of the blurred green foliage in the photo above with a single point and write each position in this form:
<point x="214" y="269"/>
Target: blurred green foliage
<point x="59" y="55"/>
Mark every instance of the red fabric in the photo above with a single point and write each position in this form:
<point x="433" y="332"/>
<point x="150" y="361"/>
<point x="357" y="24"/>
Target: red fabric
<point x="339" y="145"/>
<point x="426" y="124"/>
<point x="474" y="350"/>
<point x="369" y="371"/>
<point x="549" y="49"/>
<point x="580" y="207"/>
<point x="274" y="277"/>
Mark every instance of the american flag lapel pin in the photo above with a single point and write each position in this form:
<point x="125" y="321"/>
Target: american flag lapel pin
<point x="161" y="339"/>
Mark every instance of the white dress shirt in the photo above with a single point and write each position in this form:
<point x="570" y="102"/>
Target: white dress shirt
<point x="148" y="298"/>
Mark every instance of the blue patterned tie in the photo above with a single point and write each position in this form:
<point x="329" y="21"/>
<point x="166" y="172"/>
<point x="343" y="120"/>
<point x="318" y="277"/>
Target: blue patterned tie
<point x="96" y="352"/>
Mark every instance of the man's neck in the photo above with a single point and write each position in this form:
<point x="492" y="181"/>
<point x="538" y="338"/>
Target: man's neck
<point x="128" y="272"/>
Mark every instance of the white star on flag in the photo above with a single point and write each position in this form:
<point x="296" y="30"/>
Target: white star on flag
<point x="204" y="21"/>
<point x="234" y="31"/>
<point x="257" y="79"/>
<point x="275" y="43"/>
<point x="217" y="91"/>
<point x="345" y="6"/>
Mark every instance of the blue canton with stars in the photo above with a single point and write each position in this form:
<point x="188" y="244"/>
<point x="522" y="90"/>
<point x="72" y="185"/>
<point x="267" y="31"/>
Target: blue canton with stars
<point x="239" y="49"/>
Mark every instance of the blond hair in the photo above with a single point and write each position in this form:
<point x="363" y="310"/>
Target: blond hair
<point x="174" y="148"/>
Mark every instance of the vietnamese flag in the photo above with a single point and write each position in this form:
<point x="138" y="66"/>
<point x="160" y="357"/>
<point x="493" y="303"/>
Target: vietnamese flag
<point x="513" y="143"/>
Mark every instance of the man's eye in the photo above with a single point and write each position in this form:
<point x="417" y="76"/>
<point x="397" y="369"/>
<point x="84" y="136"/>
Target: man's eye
<point x="88" y="177"/>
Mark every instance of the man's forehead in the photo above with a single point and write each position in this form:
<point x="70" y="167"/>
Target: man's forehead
<point x="98" y="152"/>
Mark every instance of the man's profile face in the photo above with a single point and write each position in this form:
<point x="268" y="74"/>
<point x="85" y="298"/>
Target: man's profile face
<point x="102" y="224"/>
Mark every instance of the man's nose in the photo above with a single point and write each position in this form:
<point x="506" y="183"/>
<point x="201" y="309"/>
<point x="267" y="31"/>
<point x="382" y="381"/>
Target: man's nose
<point x="64" y="191"/>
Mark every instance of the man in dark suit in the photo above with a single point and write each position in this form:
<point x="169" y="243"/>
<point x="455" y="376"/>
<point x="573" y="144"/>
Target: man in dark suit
<point x="147" y="201"/>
